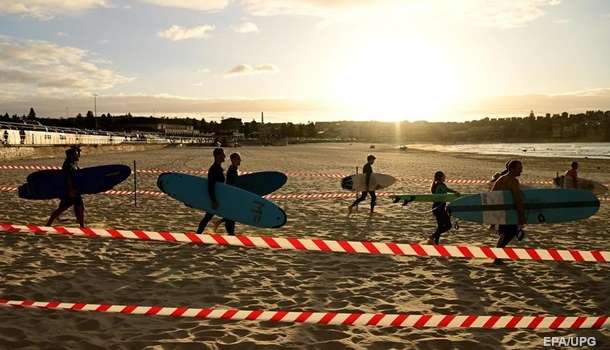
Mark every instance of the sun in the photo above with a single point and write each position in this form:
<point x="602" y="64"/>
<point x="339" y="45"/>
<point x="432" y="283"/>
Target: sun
<point x="392" y="80"/>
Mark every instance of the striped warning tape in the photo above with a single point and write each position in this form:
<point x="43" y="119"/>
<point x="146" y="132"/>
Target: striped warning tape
<point x="331" y="318"/>
<point x="321" y="245"/>
<point x="306" y="196"/>
<point x="289" y="174"/>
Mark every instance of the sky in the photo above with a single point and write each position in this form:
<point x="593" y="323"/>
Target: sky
<point x="305" y="60"/>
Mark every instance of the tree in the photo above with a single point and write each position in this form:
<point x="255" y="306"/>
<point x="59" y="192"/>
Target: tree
<point x="32" y="114"/>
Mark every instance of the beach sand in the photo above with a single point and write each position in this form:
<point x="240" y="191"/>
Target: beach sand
<point x="132" y="272"/>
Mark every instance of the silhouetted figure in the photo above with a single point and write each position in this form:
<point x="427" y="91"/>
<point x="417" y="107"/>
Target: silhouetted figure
<point x="72" y="196"/>
<point x="367" y="170"/>
<point x="215" y="174"/>
<point x="439" y="209"/>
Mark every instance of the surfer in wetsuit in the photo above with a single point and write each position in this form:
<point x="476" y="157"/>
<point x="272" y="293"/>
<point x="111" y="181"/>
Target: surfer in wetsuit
<point x="215" y="174"/>
<point x="509" y="182"/>
<point x="572" y="175"/>
<point x="72" y="196"/>
<point x="439" y="209"/>
<point x="232" y="175"/>
<point x="367" y="170"/>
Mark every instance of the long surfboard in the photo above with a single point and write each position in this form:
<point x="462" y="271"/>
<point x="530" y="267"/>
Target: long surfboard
<point x="358" y="182"/>
<point x="49" y="184"/>
<point x="583" y="184"/>
<point x="541" y="206"/>
<point x="262" y="183"/>
<point x="234" y="203"/>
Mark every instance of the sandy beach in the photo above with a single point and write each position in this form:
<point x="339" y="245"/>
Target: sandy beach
<point x="131" y="272"/>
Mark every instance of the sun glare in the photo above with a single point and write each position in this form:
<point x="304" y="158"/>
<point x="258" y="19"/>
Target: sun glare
<point x="396" y="80"/>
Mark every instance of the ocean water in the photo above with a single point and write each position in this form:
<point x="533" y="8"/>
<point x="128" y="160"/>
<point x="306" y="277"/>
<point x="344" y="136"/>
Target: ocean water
<point x="598" y="150"/>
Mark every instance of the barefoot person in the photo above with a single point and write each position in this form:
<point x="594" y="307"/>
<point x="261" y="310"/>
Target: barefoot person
<point x="215" y="174"/>
<point x="232" y="175"/>
<point x="509" y="182"/>
<point x="72" y="196"/>
<point x="439" y="209"/>
<point x="367" y="170"/>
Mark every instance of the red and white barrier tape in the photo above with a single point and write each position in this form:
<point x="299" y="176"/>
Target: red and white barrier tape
<point x="308" y="196"/>
<point x="332" y="318"/>
<point x="321" y="245"/>
<point x="289" y="174"/>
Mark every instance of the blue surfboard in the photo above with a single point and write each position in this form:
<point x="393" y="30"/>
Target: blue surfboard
<point x="234" y="203"/>
<point x="49" y="184"/>
<point x="541" y="206"/>
<point x="262" y="183"/>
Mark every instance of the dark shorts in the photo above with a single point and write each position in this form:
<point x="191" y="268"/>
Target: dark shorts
<point x="71" y="201"/>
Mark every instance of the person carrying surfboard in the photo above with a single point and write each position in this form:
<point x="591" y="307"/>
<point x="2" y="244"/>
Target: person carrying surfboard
<point x="367" y="170"/>
<point x="509" y="182"/>
<point x="215" y="174"/>
<point x="72" y="196"/>
<point x="572" y="174"/>
<point x="232" y="175"/>
<point x="439" y="209"/>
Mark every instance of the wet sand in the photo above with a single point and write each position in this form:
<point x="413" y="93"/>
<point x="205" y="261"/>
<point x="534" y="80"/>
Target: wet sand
<point x="125" y="272"/>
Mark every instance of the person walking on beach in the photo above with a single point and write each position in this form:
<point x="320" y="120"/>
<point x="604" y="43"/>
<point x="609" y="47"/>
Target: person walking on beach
<point x="367" y="170"/>
<point x="509" y="182"/>
<point x="571" y="176"/>
<point x="497" y="175"/>
<point x="215" y="174"/>
<point x="439" y="209"/>
<point x="72" y="196"/>
<point x="232" y="175"/>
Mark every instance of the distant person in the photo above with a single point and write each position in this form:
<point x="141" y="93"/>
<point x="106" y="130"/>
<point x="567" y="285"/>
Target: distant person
<point x="72" y="196"/>
<point x="215" y="174"/>
<point x="571" y="176"/>
<point x="439" y="209"/>
<point x="509" y="182"/>
<point x="232" y="175"/>
<point x="367" y="170"/>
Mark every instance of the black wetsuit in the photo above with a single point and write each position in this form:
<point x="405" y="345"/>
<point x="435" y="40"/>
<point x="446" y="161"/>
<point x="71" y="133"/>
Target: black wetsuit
<point x="439" y="209"/>
<point x="215" y="174"/>
<point x="232" y="176"/>
<point x="69" y="169"/>
<point x="367" y="169"/>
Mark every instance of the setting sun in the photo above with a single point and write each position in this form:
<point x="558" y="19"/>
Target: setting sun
<point x="397" y="79"/>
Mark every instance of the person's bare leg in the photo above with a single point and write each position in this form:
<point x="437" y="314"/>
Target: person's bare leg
<point x="56" y="213"/>
<point x="79" y="212"/>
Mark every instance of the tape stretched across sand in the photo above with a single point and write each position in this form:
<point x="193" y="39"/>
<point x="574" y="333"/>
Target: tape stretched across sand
<point x="302" y="174"/>
<point x="331" y="318"/>
<point x="320" y="245"/>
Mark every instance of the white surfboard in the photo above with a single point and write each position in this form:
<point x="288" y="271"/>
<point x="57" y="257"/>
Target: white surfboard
<point x="583" y="184"/>
<point x="358" y="182"/>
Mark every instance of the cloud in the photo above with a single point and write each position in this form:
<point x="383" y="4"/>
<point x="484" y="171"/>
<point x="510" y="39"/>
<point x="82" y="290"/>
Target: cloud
<point x="163" y="104"/>
<point x="490" y="13"/>
<point x="506" y="14"/>
<point x="246" y="27"/>
<point x="41" y="68"/>
<point x="199" y="5"/>
<point x="573" y="101"/>
<point x="176" y="33"/>
<point x="562" y="21"/>
<point x="203" y="70"/>
<point x="47" y="9"/>
<point x="246" y="69"/>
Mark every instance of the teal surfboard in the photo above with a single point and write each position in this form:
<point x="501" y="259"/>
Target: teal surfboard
<point x="234" y="203"/>
<point x="541" y="206"/>
<point x="441" y="197"/>
<point x="49" y="184"/>
<point x="262" y="183"/>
